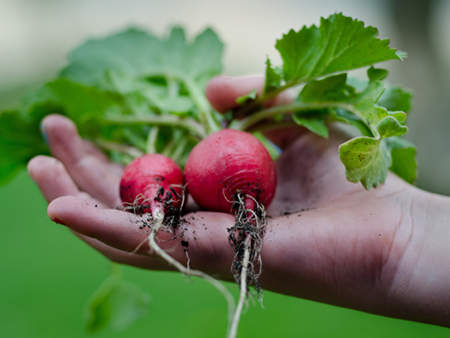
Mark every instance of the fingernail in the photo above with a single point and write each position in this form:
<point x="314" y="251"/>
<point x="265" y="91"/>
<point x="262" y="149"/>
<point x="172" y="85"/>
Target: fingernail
<point x="44" y="135"/>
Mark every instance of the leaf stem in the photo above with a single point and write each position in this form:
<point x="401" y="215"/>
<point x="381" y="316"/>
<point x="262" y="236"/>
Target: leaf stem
<point x="174" y="140"/>
<point x="151" y="140"/>
<point x="209" y="123"/>
<point x="160" y="120"/>
<point x="286" y="109"/>
<point x="264" y="97"/>
<point x="243" y="289"/>
<point x="158" y="216"/>
<point x="121" y="148"/>
<point x="176" y="154"/>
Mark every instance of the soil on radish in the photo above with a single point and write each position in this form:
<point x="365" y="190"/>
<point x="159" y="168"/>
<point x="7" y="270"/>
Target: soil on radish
<point x="172" y="222"/>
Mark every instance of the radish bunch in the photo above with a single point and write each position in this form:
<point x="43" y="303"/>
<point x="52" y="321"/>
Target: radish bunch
<point x="229" y="171"/>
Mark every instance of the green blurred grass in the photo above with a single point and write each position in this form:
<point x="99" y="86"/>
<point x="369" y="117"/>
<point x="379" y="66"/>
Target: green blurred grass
<point x="48" y="275"/>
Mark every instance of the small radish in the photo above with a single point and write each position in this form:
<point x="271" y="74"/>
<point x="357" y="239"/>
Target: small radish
<point x="153" y="183"/>
<point x="231" y="171"/>
<point x="152" y="186"/>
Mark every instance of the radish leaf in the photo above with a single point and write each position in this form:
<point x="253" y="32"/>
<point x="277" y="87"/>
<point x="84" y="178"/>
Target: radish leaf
<point x="340" y="43"/>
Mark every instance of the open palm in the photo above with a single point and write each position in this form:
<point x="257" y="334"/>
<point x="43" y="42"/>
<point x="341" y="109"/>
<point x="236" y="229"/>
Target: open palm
<point x="327" y="239"/>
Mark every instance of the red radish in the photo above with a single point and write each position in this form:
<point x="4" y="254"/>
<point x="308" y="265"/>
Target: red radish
<point x="231" y="171"/>
<point x="153" y="185"/>
<point x="152" y="182"/>
<point x="229" y="162"/>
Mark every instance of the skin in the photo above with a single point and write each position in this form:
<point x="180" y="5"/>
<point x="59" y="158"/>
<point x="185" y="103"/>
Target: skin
<point x="384" y="251"/>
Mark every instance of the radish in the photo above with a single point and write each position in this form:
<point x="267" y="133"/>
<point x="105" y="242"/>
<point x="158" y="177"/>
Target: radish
<point x="152" y="183"/>
<point x="152" y="186"/>
<point x="231" y="171"/>
<point x="226" y="163"/>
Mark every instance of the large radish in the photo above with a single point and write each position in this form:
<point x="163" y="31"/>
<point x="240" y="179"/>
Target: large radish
<point x="227" y="163"/>
<point x="231" y="171"/>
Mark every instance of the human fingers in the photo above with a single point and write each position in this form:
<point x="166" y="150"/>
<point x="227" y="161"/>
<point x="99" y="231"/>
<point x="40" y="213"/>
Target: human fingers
<point x="54" y="181"/>
<point x="222" y="92"/>
<point x="51" y="177"/>
<point x="89" y="169"/>
<point x="204" y="234"/>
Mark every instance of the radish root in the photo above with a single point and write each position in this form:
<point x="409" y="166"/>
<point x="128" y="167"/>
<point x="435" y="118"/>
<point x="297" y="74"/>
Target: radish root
<point x="157" y="220"/>
<point x="243" y="290"/>
<point x="246" y="238"/>
<point x="155" y="248"/>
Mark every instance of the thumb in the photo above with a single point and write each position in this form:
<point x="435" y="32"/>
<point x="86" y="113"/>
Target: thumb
<point x="222" y="92"/>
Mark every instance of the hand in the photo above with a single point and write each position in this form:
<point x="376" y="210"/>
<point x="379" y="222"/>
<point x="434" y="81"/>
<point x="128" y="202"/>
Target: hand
<point x="383" y="251"/>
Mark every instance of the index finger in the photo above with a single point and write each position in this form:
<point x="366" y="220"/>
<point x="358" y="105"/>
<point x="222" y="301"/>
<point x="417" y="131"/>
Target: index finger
<point x="89" y="169"/>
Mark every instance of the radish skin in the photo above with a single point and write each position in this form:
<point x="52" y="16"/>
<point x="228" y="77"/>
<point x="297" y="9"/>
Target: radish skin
<point x="228" y="162"/>
<point x="153" y="182"/>
<point x="231" y="171"/>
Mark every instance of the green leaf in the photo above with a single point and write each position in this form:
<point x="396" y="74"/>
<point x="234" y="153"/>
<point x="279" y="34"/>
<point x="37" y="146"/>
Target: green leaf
<point x="340" y="43"/>
<point x="375" y="74"/>
<point x="139" y="54"/>
<point x="273" y="77"/>
<point x="164" y="75"/>
<point x="132" y="51"/>
<point x="20" y="140"/>
<point x="75" y="100"/>
<point x="344" y="116"/>
<point x="400" y="116"/>
<point x="116" y="304"/>
<point x="390" y="126"/>
<point x="396" y="98"/>
<point x="403" y="155"/>
<point x="331" y="89"/>
<point x="313" y="122"/>
<point x="366" y="160"/>
<point x="365" y="103"/>
<point x="247" y="97"/>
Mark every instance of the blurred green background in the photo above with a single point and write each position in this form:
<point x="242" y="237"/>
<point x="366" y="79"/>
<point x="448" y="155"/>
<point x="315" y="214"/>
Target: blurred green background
<point x="48" y="275"/>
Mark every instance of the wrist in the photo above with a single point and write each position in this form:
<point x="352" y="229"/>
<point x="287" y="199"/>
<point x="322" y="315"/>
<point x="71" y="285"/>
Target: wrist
<point x="420" y="289"/>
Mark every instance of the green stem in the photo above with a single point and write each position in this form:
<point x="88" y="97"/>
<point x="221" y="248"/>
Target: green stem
<point x="210" y="125"/>
<point x="121" y="148"/>
<point x="264" y="97"/>
<point x="151" y="140"/>
<point x="172" y="143"/>
<point x="135" y="139"/>
<point x="176" y="154"/>
<point x="173" y="86"/>
<point x="207" y="120"/>
<point x="287" y="109"/>
<point x="162" y="120"/>
<point x="272" y="126"/>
